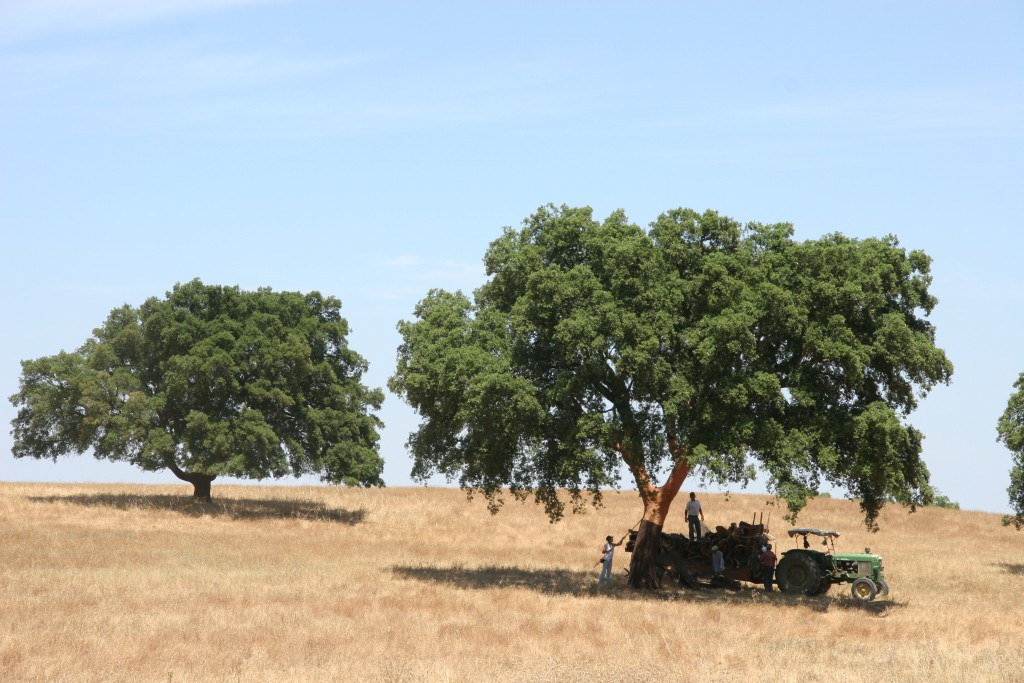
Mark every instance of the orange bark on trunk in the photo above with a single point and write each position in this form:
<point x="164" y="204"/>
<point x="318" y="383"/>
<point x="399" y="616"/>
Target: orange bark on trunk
<point x="643" y="570"/>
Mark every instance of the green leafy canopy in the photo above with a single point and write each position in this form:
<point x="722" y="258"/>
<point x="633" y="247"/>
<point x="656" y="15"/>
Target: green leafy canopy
<point x="212" y="381"/>
<point x="595" y="345"/>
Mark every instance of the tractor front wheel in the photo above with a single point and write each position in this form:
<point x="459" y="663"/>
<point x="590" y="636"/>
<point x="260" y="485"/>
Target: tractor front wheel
<point x="864" y="589"/>
<point x="883" y="588"/>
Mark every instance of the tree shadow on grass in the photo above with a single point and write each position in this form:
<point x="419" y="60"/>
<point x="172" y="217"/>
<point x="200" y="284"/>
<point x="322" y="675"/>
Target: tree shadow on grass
<point x="549" y="581"/>
<point x="232" y="508"/>
<point x="582" y="584"/>
<point x="1016" y="569"/>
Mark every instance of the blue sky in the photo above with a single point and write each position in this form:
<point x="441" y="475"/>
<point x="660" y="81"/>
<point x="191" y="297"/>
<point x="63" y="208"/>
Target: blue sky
<point x="371" y="151"/>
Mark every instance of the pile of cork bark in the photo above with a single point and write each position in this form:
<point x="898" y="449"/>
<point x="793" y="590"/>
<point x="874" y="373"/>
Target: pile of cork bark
<point x="686" y="561"/>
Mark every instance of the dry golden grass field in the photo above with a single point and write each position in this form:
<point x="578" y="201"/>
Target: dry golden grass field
<point x="138" y="583"/>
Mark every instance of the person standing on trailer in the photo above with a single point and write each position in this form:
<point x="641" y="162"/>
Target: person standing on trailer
<point x="694" y="515"/>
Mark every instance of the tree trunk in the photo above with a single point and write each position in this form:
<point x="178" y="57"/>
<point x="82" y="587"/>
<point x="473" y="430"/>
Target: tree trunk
<point x="201" y="488"/>
<point x="643" y="571"/>
<point x="200" y="482"/>
<point x="643" y="567"/>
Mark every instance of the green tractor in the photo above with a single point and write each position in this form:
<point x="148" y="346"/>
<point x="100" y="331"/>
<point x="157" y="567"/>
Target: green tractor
<point x="813" y="572"/>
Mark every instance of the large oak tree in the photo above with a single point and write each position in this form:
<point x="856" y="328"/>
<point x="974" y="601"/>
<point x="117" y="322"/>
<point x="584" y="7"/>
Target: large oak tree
<point x="699" y="346"/>
<point x="209" y="381"/>
<point x="1011" y="434"/>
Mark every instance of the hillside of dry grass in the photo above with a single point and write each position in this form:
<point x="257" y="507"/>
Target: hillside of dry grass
<point x="139" y="583"/>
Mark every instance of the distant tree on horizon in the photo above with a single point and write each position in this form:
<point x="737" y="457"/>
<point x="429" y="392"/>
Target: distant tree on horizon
<point x="701" y="346"/>
<point x="941" y="500"/>
<point x="209" y="381"/>
<point x="1011" y="433"/>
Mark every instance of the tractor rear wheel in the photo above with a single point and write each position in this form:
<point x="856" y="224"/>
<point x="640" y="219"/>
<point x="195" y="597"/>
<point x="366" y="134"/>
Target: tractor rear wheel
<point x="798" y="573"/>
<point x="864" y="589"/>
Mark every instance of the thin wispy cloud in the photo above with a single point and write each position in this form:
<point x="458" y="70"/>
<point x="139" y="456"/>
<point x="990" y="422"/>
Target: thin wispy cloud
<point x="404" y="261"/>
<point x="274" y="92"/>
<point x="994" y="109"/>
<point x="26" y="19"/>
<point x="394" y="293"/>
<point x="177" y="69"/>
<point x="445" y="272"/>
<point x="372" y="98"/>
<point x="456" y="270"/>
<point x="245" y="70"/>
<point x="973" y="109"/>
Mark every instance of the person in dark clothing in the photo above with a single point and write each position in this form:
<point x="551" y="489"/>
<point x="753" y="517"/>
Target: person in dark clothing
<point x="768" y="560"/>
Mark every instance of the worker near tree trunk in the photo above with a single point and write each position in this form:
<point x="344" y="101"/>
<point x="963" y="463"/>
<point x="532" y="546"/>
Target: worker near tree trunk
<point x="768" y="559"/>
<point x="608" y="552"/>
<point x="694" y="515"/>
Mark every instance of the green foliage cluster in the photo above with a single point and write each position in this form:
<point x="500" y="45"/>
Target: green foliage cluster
<point x="597" y="344"/>
<point x="1011" y="433"/>
<point x="941" y="500"/>
<point x="210" y="381"/>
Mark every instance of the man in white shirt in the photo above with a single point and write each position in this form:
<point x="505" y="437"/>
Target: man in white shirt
<point x="694" y="515"/>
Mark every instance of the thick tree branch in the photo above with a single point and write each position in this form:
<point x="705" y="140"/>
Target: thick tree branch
<point x="640" y="474"/>
<point x="679" y="472"/>
<point x="190" y="477"/>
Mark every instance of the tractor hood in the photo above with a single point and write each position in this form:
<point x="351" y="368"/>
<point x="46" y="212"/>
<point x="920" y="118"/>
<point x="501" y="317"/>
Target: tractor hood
<point x="857" y="557"/>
